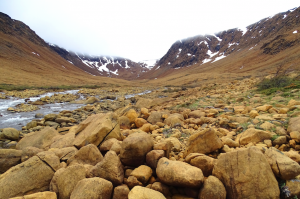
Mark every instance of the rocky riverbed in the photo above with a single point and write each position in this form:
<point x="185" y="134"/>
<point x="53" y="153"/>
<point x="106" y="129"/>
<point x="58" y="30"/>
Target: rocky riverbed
<point x="214" y="141"/>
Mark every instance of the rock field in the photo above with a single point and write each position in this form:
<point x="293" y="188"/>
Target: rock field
<point x="212" y="142"/>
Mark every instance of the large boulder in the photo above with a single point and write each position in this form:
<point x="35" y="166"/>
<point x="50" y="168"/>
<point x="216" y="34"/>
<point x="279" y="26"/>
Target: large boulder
<point x="39" y="139"/>
<point x="31" y="176"/>
<point x="65" y="179"/>
<point x="253" y="135"/>
<point x="139" y="192"/>
<point x="96" y="129"/>
<point x="88" y="154"/>
<point x="294" y="124"/>
<point x="282" y="166"/>
<point x="91" y="188"/>
<point x="62" y="141"/>
<point x="110" y="168"/>
<point x="212" y="188"/>
<point x="246" y="173"/>
<point x="135" y="147"/>
<point x="180" y="174"/>
<point x="9" y="158"/>
<point x="11" y="133"/>
<point x="205" y="142"/>
<point x="39" y="195"/>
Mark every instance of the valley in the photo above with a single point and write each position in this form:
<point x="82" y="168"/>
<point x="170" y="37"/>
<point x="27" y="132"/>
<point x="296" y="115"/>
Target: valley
<point x="218" y="116"/>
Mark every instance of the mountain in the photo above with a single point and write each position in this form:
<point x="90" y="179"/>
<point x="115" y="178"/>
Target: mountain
<point x="107" y="66"/>
<point x="26" y="59"/>
<point x="269" y="36"/>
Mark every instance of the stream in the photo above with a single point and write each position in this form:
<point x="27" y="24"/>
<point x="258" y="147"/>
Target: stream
<point x="19" y="119"/>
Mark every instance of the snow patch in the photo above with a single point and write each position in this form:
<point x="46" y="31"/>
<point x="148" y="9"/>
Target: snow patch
<point x="169" y="63"/>
<point x="115" y="72"/>
<point x="211" y="54"/>
<point x="63" y="66"/>
<point x="189" y="54"/>
<point x="126" y="64"/>
<point x="149" y="63"/>
<point x="219" y="58"/>
<point x="70" y="62"/>
<point x="250" y="48"/>
<point x="284" y="16"/>
<point x="35" y="53"/>
<point x="296" y="31"/>
<point x="244" y="30"/>
<point x="157" y="67"/>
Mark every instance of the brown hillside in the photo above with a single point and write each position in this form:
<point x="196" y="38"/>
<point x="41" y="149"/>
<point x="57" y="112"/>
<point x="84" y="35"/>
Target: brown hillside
<point x="25" y="59"/>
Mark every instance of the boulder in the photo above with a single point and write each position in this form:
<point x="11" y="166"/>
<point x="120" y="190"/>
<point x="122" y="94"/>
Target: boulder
<point x="196" y="114"/>
<point x="90" y="188"/>
<point x="212" y="188"/>
<point x="9" y="158"/>
<point x="174" y="120"/>
<point x="175" y="173"/>
<point x="50" y="117"/>
<point x="132" y="181"/>
<point x="203" y="162"/>
<point x="110" y="168"/>
<point x="135" y="147"/>
<point x="39" y="139"/>
<point x="253" y="135"/>
<point x="144" y="193"/>
<point x="205" y="142"/>
<point x="282" y="166"/>
<point x="229" y="142"/>
<point x="96" y="129"/>
<point x="153" y="156"/>
<point x="294" y="124"/>
<point x="246" y="173"/>
<point x="91" y="100"/>
<point x="31" y="176"/>
<point x="280" y="140"/>
<point x="11" y="133"/>
<point x="131" y="115"/>
<point x="155" y="117"/>
<point x="62" y="141"/>
<point x="65" y="180"/>
<point x="31" y="124"/>
<point x="139" y="122"/>
<point x="142" y="173"/>
<point x="295" y="135"/>
<point x="39" y="195"/>
<point x="88" y="154"/>
<point x="121" y="192"/>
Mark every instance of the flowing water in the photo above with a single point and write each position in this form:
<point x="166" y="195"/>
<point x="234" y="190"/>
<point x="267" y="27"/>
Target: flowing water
<point x="19" y="119"/>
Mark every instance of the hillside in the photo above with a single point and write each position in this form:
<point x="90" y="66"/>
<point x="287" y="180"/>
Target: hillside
<point x="258" y="48"/>
<point x="26" y="59"/>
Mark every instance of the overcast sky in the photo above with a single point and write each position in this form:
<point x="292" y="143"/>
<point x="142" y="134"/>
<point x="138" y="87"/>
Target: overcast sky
<point x="135" y="29"/>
